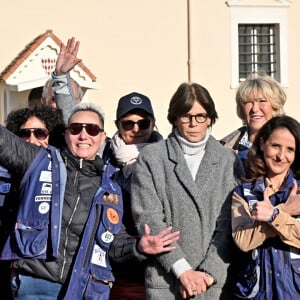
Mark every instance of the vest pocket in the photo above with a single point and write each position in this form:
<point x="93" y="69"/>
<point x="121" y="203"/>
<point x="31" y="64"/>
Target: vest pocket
<point x="295" y="266"/>
<point x="247" y="286"/>
<point x="99" y="284"/>
<point x="32" y="238"/>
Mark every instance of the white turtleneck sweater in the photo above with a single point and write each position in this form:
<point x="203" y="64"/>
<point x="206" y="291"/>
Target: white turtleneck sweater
<point x="193" y="152"/>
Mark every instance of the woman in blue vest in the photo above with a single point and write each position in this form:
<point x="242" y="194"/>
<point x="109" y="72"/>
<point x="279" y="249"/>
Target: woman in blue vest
<point x="69" y="211"/>
<point x="135" y="122"/>
<point x="261" y="225"/>
<point x="39" y="125"/>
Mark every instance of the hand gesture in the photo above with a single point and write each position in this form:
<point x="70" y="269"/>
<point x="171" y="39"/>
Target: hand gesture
<point x="67" y="57"/>
<point x="292" y="205"/>
<point x="154" y="244"/>
<point x="194" y="283"/>
<point x="262" y="210"/>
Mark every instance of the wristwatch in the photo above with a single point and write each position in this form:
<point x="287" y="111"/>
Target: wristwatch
<point x="274" y="215"/>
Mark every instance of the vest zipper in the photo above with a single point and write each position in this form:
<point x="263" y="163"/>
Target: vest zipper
<point x="92" y="236"/>
<point x="66" y="231"/>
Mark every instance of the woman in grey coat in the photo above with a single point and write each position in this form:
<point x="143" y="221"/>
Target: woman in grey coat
<point x="186" y="182"/>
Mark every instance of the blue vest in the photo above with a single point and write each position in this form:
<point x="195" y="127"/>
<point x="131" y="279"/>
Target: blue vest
<point x="272" y="271"/>
<point x="37" y="228"/>
<point x="91" y="276"/>
<point x="8" y="204"/>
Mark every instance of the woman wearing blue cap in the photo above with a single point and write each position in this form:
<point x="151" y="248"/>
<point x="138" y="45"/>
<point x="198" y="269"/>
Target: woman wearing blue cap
<point x="135" y="122"/>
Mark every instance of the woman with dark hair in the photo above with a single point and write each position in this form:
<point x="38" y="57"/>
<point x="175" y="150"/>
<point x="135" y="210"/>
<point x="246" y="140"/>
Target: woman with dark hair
<point x="186" y="182"/>
<point x="261" y="225"/>
<point x="135" y="122"/>
<point x="41" y="125"/>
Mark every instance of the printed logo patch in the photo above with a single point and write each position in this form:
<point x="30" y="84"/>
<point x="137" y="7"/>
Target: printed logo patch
<point x="44" y="208"/>
<point x="111" y="198"/>
<point x="46" y="188"/>
<point x="247" y="192"/>
<point x="107" y="237"/>
<point x="112" y="216"/>
<point x="5" y="188"/>
<point x="98" y="256"/>
<point x="42" y="198"/>
<point x="46" y="176"/>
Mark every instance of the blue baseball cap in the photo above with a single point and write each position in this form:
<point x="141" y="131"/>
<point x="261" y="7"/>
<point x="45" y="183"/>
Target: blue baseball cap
<point x="133" y="101"/>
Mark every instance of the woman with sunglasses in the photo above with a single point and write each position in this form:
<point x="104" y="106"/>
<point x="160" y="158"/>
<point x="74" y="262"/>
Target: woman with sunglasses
<point x="40" y="126"/>
<point x="186" y="182"/>
<point x="70" y="209"/>
<point x="135" y="123"/>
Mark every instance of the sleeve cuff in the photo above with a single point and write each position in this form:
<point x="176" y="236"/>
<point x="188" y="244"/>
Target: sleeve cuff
<point x="61" y="77"/>
<point x="180" y="266"/>
<point x="61" y="84"/>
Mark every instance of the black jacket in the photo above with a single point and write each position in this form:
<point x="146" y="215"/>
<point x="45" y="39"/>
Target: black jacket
<point x="83" y="180"/>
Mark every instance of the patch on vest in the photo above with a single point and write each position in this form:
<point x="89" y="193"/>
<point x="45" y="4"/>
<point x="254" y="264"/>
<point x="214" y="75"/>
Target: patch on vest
<point x="112" y="216"/>
<point x="46" y="176"/>
<point x="46" y="188"/>
<point x="42" y="198"/>
<point x="44" y="208"/>
<point x="98" y="256"/>
<point x="111" y="198"/>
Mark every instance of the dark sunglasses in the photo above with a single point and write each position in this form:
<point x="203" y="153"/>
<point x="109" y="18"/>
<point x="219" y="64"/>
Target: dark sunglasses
<point x="39" y="133"/>
<point x="143" y="124"/>
<point x="91" y="129"/>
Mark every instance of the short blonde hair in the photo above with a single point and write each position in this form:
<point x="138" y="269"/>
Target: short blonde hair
<point x="267" y="85"/>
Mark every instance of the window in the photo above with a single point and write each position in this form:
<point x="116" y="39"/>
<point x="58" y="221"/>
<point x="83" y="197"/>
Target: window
<point x="258" y="49"/>
<point x="258" y="38"/>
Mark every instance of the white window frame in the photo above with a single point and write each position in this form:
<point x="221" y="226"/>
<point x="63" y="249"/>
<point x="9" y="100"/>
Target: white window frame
<point x="246" y="12"/>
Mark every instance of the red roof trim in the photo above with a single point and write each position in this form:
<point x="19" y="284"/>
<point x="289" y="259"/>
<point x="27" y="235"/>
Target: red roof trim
<point x="30" y="48"/>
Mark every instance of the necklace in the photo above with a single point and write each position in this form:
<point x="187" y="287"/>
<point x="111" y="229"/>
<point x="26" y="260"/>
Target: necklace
<point x="272" y="186"/>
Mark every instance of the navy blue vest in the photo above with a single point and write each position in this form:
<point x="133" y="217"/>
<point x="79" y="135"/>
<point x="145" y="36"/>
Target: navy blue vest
<point x="37" y="229"/>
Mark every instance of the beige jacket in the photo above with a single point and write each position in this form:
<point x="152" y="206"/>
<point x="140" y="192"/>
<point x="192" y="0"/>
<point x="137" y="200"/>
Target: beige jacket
<point x="249" y="234"/>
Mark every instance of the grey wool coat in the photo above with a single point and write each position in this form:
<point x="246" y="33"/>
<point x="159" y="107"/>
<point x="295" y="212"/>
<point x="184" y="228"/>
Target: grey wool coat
<point x="165" y="194"/>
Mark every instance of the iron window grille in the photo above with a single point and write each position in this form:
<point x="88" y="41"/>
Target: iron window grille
<point x="258" y="49"/>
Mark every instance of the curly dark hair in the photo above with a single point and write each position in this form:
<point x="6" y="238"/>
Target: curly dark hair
<point x="52" y="118"/>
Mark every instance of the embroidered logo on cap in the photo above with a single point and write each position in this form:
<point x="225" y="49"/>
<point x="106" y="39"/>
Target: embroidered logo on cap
<point x="135" y="100"/>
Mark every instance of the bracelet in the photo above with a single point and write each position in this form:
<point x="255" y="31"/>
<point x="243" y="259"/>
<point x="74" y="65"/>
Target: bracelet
<point x="274" y="215"/>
